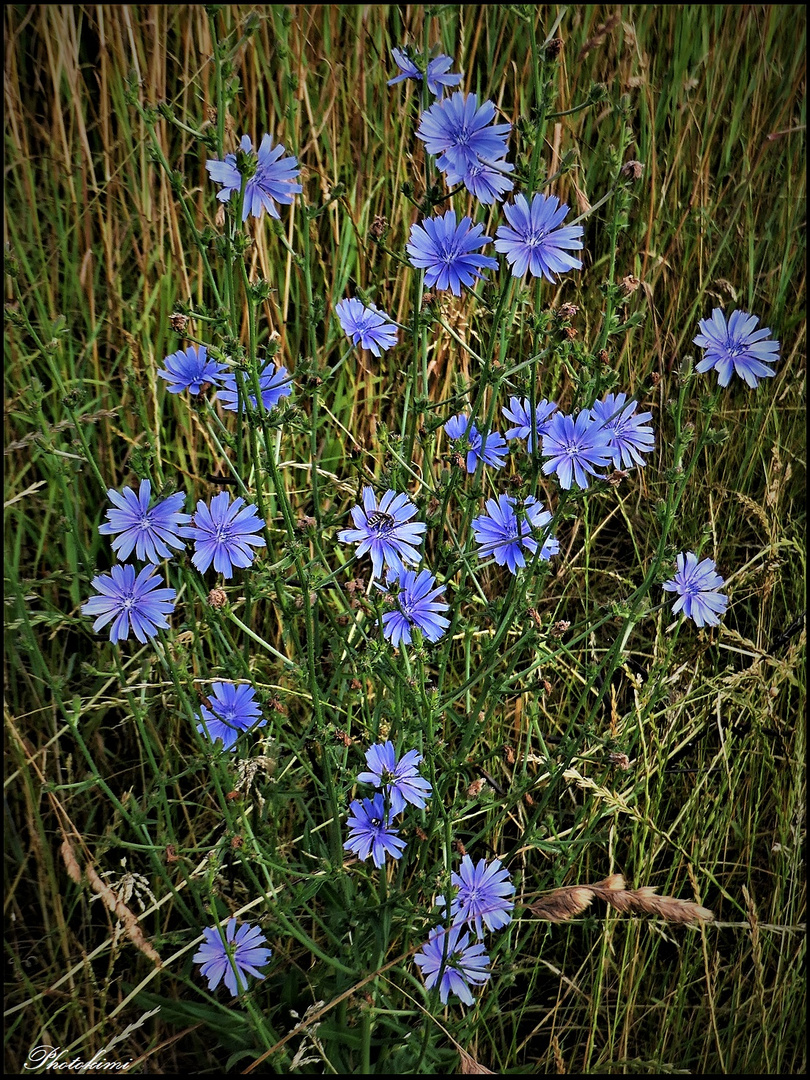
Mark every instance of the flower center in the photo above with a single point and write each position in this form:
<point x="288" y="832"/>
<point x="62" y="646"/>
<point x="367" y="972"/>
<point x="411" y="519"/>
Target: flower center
<point x="535" y="238"/>
<point x="449" y="253"/>
<point x="405" y="606"/>
<point x="223" y="534"/>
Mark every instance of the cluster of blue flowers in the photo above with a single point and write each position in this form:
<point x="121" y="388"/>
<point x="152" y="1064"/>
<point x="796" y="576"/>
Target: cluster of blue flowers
<point x="371" y="831"/>
<point x="385" y="530"/>
<point x="611" y="431"/>
<point x="482" y="894"/>
<point x="192" y="369"/>
<point x="223" y="534"/>
<point x="470" y="149"/>
<point x="482" y="898"/>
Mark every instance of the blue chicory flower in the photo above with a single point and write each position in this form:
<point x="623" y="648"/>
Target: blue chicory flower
<point x="385" y="530"/>
<point x="190" y="369"/>
<point x="483" y="896"/>
<point x="130" y="603"/>
<point x="234" y="709"/>
<point x="408" y="69"/>
<point x="438" y="71"/>
<point x="370" y="832"/>
<point x="150" y="531"/>
<point x="440" y="76"/>
<point x="272" y="182"/>
<point x="504" y="535"/>
<point x="535" y="241"/>
<point x="459" y="133"/>
<point x="400" y="780"/>
<point x="630" y="435"/>
<point x="489" y="447"/>
<point x="232" y="958"/>
<point x="273" y="383"/>
<point x="366" y="326"/>
<point x="224" y="534"/>
<point x="445" y="251"/>
<point x="484" y="180"/>
<point x="734" y="345"/>
<point x="576" y="447"/>
<point x="417" y="604"/>
<point x="697" y="585"/>
<point x="447" y="958"/>
<point x="519" y="411"/>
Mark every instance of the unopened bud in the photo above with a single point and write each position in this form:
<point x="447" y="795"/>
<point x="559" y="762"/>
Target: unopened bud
<point x="621" y="761"/>
<point x="379" y="227"/>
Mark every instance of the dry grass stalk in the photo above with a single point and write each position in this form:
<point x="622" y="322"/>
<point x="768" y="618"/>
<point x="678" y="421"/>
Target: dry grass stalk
<point x="126" y="917"/>
<point x="559" y="1060"/>
<point x="469" y="1066"/>
<point x="563" y="903"/>
<point x="571" y="900"/>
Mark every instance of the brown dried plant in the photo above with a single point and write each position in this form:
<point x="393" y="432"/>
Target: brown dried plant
<point x="571" y="900"/>
<point x="126" y="917"/>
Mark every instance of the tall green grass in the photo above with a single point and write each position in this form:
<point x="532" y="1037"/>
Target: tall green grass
<point x="99" y="254"/>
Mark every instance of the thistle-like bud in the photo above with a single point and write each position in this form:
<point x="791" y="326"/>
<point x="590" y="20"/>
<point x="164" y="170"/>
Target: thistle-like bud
<point x="379" y="227"/>
<point x="632" y="170"/>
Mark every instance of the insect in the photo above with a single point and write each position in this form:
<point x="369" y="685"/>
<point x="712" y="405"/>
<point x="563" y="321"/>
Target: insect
<point x="379" y="517"/>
